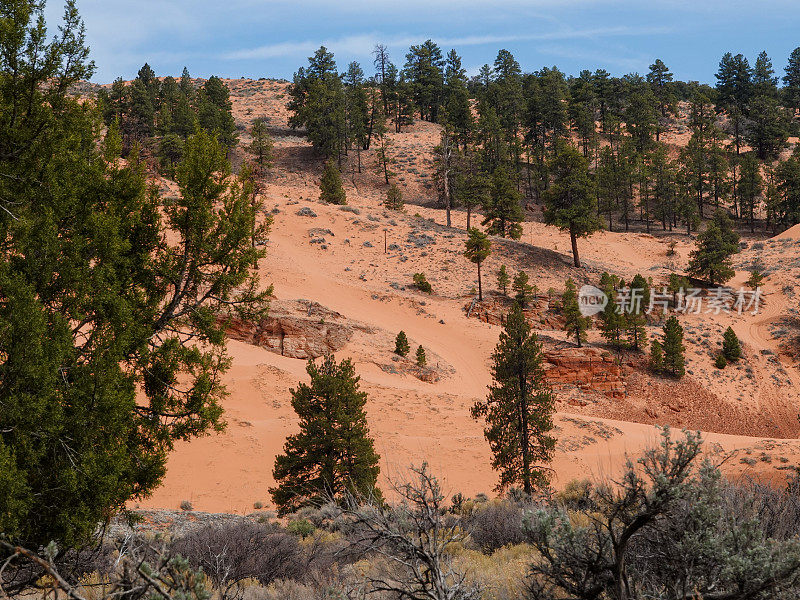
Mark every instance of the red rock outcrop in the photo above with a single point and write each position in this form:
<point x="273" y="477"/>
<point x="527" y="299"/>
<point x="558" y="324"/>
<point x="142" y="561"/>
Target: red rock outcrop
<point x="305" y="330"/>
<point x="591" y="369"/>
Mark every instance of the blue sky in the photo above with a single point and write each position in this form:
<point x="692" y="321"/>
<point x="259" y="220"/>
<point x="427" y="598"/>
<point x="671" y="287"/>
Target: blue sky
<point x="271" y="38"/>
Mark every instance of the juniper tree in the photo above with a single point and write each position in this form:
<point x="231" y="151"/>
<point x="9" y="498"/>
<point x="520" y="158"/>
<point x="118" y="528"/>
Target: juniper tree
<point x="503" y="279"/>
<point x="401" y="345"/>
<point x="112" y="342"/>
<point x="519" y="408"/>
<point x="331" y="190"/>
<point x="575" y="323"/>
<point x="333" y="454"/>
<point x="570" y="203"/>
<point x="731" y="348"/>
<point x="478" y="248"/>
<point x="672" y="344"/>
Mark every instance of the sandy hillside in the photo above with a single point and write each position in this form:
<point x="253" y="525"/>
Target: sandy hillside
<point x="332" y="275"/>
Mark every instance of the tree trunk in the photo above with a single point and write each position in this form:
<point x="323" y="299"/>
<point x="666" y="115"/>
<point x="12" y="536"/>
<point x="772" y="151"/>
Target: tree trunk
<point x="524" y="437"/>
<point x="574" y="239"/>
<point x="480" y="289"/>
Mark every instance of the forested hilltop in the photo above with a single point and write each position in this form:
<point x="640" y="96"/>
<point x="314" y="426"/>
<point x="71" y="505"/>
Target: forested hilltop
<point x="661" y="153"/>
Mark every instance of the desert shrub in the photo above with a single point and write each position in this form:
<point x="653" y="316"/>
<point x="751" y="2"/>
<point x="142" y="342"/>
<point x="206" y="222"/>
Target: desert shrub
<point x="301" y="527"/>
<point x="232" y="553"/>
<point x="576" y="495"/>
<point x="186" y="505"/>
<point x="721" y="362"/>
<point x="502" y="574"/>
<point x="497" y="524"/>
<point x="422" y="283"/>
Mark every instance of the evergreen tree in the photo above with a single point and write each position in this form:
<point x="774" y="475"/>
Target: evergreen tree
<point x="333" y="454"/>
<point x="672" y="345"/>
<point x="731" y="348"/>
<point x="750" y="186"/>
<point x="734" y="89"/>
<point x="394" y="198"/>
<point x="791" y="81"/>
<point x="503" y="279"/>
<point x="767" y="130"/>
<point x="715" y="246"/>
<point x="523" y="291"/>
<point x="612" y="320"/>
<point x="423" y="69"/>
<point x="214" y="111"/>
<point x="401" y="345"/>
<point x="261" y="146"/>
<point x="112" y="342"/>
<point x="478" y="248"/>
<point x="656" y="356"/>
<point x="519" y="408"/>
<point x="570" y="203"/>
<point x="660" y="79"/>
<point x="458" y="110"/>
<point x="575" y="324"/>
<point x="421" y="358"/>
<point x="503" y="212"/>
<point x="318" y="104"/>
<point x="330" y="186"/>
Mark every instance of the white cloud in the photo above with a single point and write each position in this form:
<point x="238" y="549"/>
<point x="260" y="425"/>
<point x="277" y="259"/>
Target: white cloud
<point x="363" y="44"/>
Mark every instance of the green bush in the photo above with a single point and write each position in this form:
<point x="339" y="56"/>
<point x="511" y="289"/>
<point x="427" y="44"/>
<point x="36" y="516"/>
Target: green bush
<point x="422" y="284"/>
<point x="301" y="527"/>
<point x="721" y="362"/>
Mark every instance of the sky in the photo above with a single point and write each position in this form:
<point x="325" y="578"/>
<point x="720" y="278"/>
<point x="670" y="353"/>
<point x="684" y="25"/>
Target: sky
<point x="272" y="38"/>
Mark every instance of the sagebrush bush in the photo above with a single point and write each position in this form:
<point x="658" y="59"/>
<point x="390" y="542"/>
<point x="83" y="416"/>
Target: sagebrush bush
<point x="497" y="524"/>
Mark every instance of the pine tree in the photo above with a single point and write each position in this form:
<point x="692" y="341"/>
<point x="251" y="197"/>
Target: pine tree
<point x="421" y="358"/>
<point x="570" y="202"/>
<point x="715" y="246"/>
<point x="503" y="212"/>
<point x="503" y="279"/>
<point x="575" y="324"/>
<point x="478" y="248"/>
<point x="791" y="81"/>
<point x="318" y="104"/>
<point x="401" y="345"/>
<point x="333" y="454"/>
<point x="612" y="320"/>
<point x="734" y="90"/>
<point x="523" y="291"/>
<point x="656" y="356"/>
<point x="519" y="408"/>
<point x="262" y="145"/>
<point x="731" y="348"/>
<point x="394" y="198"/>
<point x="673" y="347"/>
<point x="330" y="186"/>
